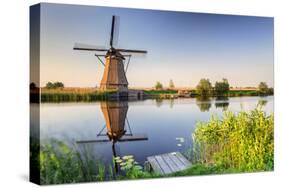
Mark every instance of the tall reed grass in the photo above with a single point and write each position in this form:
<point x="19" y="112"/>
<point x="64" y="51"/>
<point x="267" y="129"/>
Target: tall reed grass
<point x="61" y="164"/>
<point x="74" y="94"/>
<point x="242" y="141"/>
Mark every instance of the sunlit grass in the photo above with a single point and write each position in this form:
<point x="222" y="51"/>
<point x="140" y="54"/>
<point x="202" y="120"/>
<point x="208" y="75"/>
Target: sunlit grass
<point x="74" y="94"/>
<point x="242" y="141"/>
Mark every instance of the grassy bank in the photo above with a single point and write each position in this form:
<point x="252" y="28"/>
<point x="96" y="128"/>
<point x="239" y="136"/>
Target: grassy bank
<point x="74" y="94"/>
<point x="240" y="142"/>
<point x="59" y="163"/>
<point x="93" y="94"/>
<point x="161" y="94"/>
<point x="167" y="94"/>
<point x="238" y="93"/>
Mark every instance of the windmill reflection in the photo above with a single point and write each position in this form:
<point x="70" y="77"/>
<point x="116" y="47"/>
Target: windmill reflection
<point x="117" y="127"/>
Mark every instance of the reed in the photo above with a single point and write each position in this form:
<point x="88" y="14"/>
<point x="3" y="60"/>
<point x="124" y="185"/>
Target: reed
<point x="61" y="164"/>
<point x="74" y="94"/>
<point x="243" y="142"/>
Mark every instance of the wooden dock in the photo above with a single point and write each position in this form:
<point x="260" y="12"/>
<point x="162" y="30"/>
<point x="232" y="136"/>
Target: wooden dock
<point x="168" y="163"/>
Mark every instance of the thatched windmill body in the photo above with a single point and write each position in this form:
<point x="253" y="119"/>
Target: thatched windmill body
<point x="114" y="75"/>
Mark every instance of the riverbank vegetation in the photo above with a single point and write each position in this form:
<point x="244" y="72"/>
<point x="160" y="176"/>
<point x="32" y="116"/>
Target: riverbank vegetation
<point x="74" y="94"/>
<point x="223" y="89"/>
<point x="56" y="92"/>
<point x="60" y="163"/>
<point x="235" y="142"/>
<point x="240" y="142"/>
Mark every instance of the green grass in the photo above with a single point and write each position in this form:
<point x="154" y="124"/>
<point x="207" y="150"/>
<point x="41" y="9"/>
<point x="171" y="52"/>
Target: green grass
<point x="93" y="94"/>
<point x="237" y="93"/>
<point x="61" y="164"/>
<point x="203" y="169"/>
<point x="74" y="94"/>
<point x="242" y="141"/>
<point x="158" y="92"/>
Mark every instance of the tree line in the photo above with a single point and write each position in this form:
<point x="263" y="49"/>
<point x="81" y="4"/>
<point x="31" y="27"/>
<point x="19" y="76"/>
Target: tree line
<point x="221" y="88"/>
<point x="54" y="85"/>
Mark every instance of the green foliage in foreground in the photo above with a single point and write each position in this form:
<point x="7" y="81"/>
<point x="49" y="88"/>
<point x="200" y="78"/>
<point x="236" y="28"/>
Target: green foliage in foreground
<point x="61" y="164"/>
<point x="204" y="169"/>
<point x="243" y="142"/>
<point x="131" y="168"/>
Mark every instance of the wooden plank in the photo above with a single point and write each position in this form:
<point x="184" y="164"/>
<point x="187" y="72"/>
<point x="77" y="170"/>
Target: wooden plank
<point x="155" y="165"/>
<point x="183" y="159"/>
<point x="170" y="162"/>
<point x="166" y="169"/>
<point x="176" y="160"/>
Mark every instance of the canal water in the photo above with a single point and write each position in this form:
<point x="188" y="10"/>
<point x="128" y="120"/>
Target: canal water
<point x="138" y="128"/>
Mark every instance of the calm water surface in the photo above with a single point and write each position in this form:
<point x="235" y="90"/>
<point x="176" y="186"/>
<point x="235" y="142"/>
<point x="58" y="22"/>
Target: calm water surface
<point x="157" y="123"/>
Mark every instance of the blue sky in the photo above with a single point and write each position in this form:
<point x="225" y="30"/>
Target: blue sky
<point x="181" y="46"/>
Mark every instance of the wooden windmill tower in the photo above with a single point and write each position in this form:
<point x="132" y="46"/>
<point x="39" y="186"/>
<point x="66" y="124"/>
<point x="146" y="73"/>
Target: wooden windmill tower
<point x="114" y="75"/>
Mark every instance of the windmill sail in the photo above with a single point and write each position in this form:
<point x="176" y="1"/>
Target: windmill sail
<point x="114" y="75"/>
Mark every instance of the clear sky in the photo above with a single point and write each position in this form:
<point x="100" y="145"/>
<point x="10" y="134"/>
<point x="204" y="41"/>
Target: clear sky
<point x="181" y="46"/>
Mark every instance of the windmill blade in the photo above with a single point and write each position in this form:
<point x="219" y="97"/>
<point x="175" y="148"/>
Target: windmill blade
<point x="92" y="141"/>
<point x="135" y="137"/>
<point x="112" y="31"/>
<point x="86" y="47"/>
<point x="132" y="51"/>
<point x="116" y="31"/>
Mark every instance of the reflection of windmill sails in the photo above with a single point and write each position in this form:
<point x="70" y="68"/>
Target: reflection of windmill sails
<point x="115" y="118"/>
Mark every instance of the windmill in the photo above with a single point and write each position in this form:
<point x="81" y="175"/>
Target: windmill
<point x="115" y="115"/>
<point x="114" y="75"/>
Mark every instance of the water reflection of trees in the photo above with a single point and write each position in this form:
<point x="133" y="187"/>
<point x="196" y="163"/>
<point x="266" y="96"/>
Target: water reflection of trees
<point x="204" y="103"/>
<point x="262" y="102"/>
<point x="222" y="102"/>
<point x="159" y="102"/>
<point x="172" y="102"/>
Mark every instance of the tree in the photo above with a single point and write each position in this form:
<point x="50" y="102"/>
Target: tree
<point x="222" y="88"/>
<point x="158" y="86"/>
<point x="204" y="87"/>
<point x="171" y="84"/>
<point x="49" y="85"/>
<point x="58" y="85"/>
<point x="263" y="88"/>
<point x="54" y="85"/>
